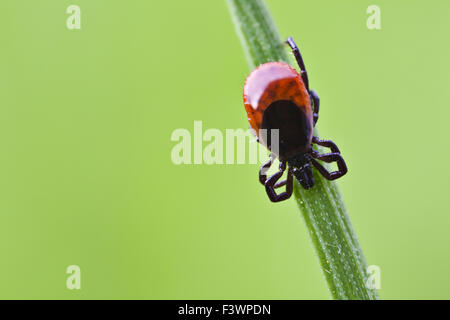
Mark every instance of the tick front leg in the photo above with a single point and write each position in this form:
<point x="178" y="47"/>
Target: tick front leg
<point x="329" y="157"/>
<point x="264" y="168"/>
<point x="273" y="183"/>
<point x="333" y="156"/>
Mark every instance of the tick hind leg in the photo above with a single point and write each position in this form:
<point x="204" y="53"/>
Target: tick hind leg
<point x="272" y="183"/>
<point x="298" y="57"/>
<point x="333" y="156"/>
<point x="314" y="97"/>
<point x="316" y="104"/>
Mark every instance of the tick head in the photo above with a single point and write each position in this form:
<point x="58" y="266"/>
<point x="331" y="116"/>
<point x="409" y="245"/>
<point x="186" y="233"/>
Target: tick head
<point x="302" y="170"/>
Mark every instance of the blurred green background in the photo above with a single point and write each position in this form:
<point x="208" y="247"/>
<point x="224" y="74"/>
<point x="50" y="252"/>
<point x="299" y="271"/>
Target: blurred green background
<point x="86" y="176"/>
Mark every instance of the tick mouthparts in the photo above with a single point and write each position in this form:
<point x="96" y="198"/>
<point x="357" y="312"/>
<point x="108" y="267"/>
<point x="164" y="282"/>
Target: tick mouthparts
<point x="304" y="176"/>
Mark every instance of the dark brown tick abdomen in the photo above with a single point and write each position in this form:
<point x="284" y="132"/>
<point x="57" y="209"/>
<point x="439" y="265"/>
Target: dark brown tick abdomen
<point x="293" y="125"/>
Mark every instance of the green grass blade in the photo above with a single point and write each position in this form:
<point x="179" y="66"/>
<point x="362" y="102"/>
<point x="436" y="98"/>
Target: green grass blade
<point x="322" y="207"/>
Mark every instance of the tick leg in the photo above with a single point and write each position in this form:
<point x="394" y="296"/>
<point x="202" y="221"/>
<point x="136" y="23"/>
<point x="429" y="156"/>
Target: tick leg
<point x="264" y="168"/>
<point x="299" y="59"/>
<point x="280" y="184"/>
<point x="271" y="184"/>
<point x="329" y="157"/>
<point x="298" y="56"/>
<point x="326" y="143"/>
<point x="316" y="104"/>
<point x="333" y="156"/>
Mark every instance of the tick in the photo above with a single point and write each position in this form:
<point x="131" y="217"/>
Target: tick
<point x="276" y="96"/>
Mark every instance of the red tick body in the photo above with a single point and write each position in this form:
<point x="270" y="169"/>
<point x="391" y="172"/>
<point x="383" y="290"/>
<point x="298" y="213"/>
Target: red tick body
<point x="276" y="96"/>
